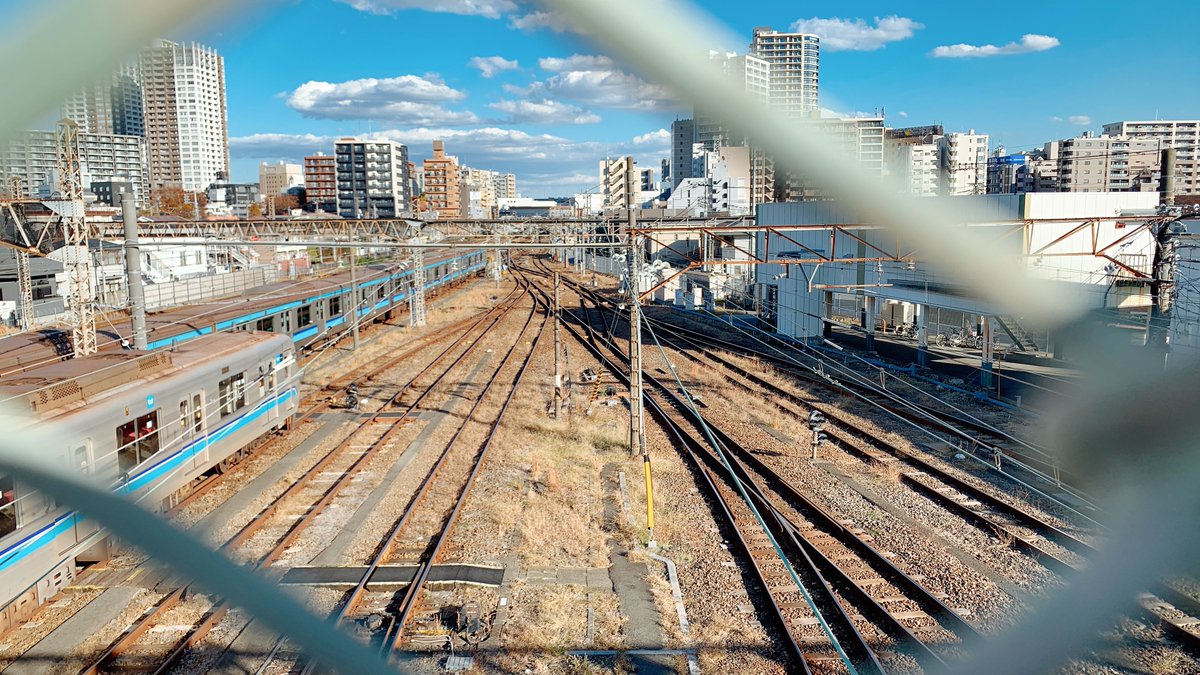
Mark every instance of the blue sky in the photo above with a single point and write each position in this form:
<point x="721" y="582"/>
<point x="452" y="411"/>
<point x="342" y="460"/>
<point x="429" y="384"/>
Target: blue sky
<point x="541" y="103"/>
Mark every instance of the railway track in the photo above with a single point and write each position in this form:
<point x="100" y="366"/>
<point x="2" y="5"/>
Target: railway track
<point x="816" y="598"/>
<point x="1058" y="549"/>
<point x="326" y="399"/>
<point x="272" y="529"/>
<point x="1033" y="463"/>
<point x="420" y="533"/>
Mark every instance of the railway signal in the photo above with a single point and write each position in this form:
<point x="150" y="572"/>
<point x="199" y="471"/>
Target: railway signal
<point x="816" y="424"/>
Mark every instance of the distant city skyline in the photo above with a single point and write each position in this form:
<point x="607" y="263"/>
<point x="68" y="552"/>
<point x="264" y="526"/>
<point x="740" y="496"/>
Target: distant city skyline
<point x="508" y="89"/>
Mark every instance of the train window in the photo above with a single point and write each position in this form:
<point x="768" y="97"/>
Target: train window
<point x="335" y="305"/>
<point x="286" y="320"/>
<point x="267" y="324"/>
<point x="183" y="416"/>
<point x="83" y="460"/>
<point x="137" y="441"/>
<point x="197" y="414"/>
<point x="303" y="316"/>
<point x="232" y="391"/>
<point x="8" y="506"/>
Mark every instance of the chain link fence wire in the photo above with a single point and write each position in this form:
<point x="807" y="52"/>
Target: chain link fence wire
<point x="1127" y="428"/>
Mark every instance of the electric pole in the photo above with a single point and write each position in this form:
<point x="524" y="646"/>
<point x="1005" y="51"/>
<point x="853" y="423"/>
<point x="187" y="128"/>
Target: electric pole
<point x="355" y="294"/>
<point x="417" y="317"/>
<point x="133" y="270"/>
<point x="558" y="377"/>
<point x="79" y="258"/>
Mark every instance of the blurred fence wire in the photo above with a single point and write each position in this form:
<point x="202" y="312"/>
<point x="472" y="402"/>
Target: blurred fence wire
<point x="1124" y="429"/>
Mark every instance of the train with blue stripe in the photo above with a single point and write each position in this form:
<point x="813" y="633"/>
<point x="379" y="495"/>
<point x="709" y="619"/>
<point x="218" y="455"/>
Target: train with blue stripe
<point x="310" y="310"/>
<point x="216" y="379"/>
<point x="142" y="424"/>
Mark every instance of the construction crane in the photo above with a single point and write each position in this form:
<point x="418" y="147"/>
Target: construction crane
<point x="77" y="258"/>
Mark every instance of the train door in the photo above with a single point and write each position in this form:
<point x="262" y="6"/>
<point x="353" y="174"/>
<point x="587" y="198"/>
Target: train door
<point x="196" y="431"/>
<point x="83" y="456"/>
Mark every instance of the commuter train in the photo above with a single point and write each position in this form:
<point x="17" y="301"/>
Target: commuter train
<point x="309" y="310"/>
<point x="323" y="305"/>
<point x="216" y="379"/>
<point x="143" y="424"/>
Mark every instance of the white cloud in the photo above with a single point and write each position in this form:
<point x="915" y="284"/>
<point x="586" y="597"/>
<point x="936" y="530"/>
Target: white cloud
<point x="1055" y="118"/>
<point x="491" y="9"/>
<point x="408" y="99"/>
<point x="543" y="111"/>
<point x="1080" y="120"/>
<point x="1030" y="42"/>
<point x="545" y="164"/>
<point x="556" y="64"/>
<point x="660" y="138"/>
<point x="856" y="34"/>
<point x="902" y="115"/>
<point x="489" y="66"/>
<point x="538" y="20"/>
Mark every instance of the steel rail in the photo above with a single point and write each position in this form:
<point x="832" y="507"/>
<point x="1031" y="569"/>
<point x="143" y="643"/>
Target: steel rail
<point x="686" y="443"/>
<point x="150" y="617"/>
<point x="350" y="603"/>
<point x="830" y="523"/>
<point x="1170" y="597"/>
<point x="341" y="384"/>
<point x="413" y="589"/>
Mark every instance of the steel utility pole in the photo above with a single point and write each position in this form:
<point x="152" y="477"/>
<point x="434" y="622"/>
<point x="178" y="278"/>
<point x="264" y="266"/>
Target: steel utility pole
<point x="558" y="377"/>
<point x="355" y="294"/>
<point x="637" y="420"/>
<point x="79" y="259"/>
<point x="24" y="272"/>
<point x="133" y="270"/>
<point x="418" y="278"/>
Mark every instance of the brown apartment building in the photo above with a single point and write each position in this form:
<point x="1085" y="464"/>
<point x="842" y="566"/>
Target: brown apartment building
<point x="442" y="183"/>
<point x="320" y="182"/>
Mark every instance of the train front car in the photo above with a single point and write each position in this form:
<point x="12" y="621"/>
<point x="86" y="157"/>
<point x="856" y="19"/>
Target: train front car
<point x="145" y="425"/>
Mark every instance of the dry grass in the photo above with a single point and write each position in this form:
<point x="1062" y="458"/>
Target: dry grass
<point x="554" y="619"/>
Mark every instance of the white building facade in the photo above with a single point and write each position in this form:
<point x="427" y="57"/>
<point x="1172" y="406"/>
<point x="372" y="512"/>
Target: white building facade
<point x="104" y="157"/>
<point x="372" y="179"/>
<point x="1183" y="135"/>
<point x="183" y="94"/>
<point x="963" y="161"/>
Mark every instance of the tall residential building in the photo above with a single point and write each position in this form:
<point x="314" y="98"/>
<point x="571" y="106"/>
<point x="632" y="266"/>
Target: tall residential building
<point x="477" y="197"/>
<point x="794" y="69"/>
<point x="911" y="156"/>
<point x="619" y="182"/>
<point x="753" y="75"/>
<point x="1006" y="174"/>
<point x="110" y="106"/>
<point x="442" y="189"/>
<point x="1109" y="164"/>
<point x="275" y="179"/>
<point x="104" y="158"/>
<point x="1183" y="135"/>
<point x="320" y="182"/>
<point x="683" y="136"/>
<point x="963" y="162"/>
<point x="183" y="96"/>
<point x="859" y="137"/>
<point x="372" y="179"/>
<point x="505" y="185"/>
<point x="645" y="180"/>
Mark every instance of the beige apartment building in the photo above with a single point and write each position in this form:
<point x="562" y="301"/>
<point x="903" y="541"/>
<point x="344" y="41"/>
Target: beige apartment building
<point x="275" y="179"/>
<point x="619" y="182"/>
<point x="183" y="96"/>
<point x="1183" y="135"/>
<point x="442" y="188"/>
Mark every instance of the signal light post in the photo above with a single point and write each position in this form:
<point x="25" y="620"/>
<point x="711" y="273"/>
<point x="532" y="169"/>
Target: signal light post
<point x="816" y="424"/>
